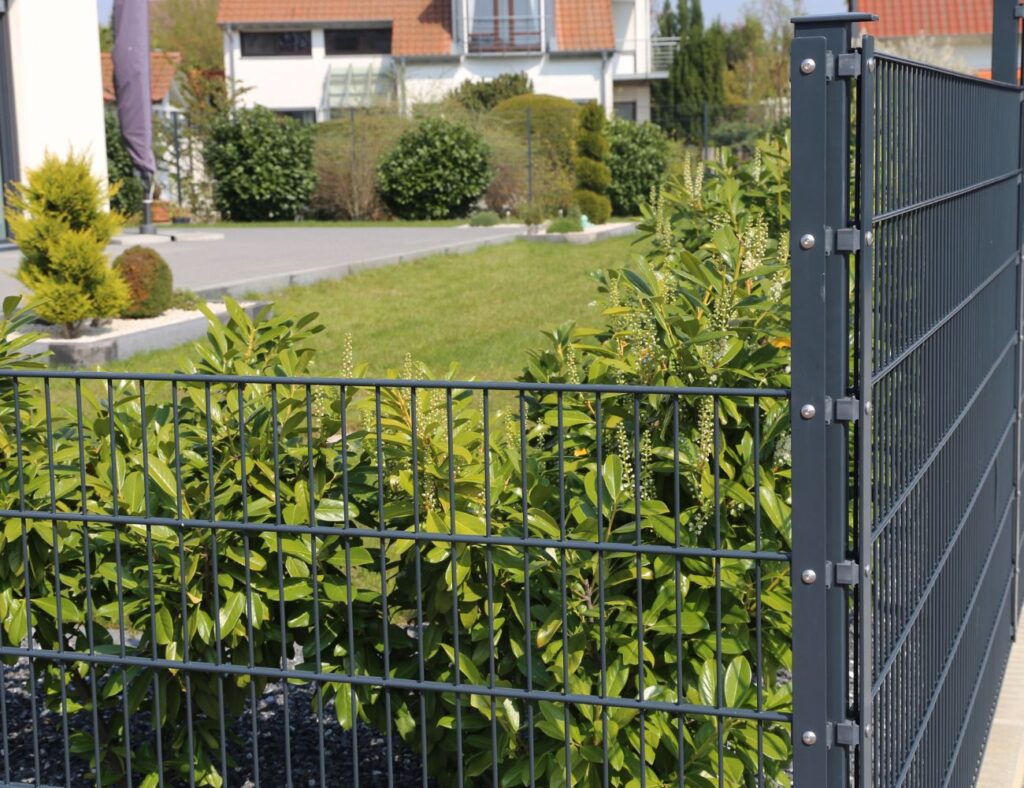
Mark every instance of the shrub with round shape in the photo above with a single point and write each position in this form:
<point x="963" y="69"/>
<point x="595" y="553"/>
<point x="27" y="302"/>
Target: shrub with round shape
<point x="553" y="120"/>
<point x="150" y="285"/>
<point x="262" y="165"/>
<point x="484" y="219"/>
<point x="638" y="160"/>
<point x="596" y="207"/>
<point x="438" y="170"/>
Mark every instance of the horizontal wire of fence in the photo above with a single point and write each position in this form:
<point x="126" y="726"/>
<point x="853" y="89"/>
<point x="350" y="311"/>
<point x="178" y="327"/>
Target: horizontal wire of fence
<point x="225" y="580"/>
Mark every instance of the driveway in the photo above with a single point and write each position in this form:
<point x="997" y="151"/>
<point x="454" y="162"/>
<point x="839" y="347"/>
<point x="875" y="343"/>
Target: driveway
<point x="265" y="259"/>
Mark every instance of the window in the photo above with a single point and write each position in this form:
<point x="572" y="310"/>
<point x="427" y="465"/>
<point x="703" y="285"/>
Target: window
<point x="307" y="116"/>
<point x="358" y="41"/>
<point x="626" y="110"/>
<point x="505" y="26"/>
<point x="292" y="43"/>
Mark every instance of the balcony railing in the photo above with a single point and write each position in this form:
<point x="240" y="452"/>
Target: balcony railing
<point x="505" y="34"/>
<point x="663" y="52"/>
<point x="645" y="56"/>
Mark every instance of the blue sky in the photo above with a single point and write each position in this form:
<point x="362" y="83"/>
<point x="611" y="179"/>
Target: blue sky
<point x="727" y="10"/>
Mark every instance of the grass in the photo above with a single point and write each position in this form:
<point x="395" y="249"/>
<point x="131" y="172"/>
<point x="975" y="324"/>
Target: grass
<point x="482" y="310"/>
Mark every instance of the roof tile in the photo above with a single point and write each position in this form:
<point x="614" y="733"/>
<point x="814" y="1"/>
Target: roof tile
<point x="584" y="25"/>
<point x="420" y="27"/>
<point x="901" y="18"/>
<point x="162" y="68"/>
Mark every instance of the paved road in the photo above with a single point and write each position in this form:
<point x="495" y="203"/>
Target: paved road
<point x="265" y="259"/>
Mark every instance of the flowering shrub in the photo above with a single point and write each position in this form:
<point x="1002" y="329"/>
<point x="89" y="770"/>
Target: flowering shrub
<point x="708" y="304"/>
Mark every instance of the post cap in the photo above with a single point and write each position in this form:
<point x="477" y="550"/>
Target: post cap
<point x="831" y="19"/>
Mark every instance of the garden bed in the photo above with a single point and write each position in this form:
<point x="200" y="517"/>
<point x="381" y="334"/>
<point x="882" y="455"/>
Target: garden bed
<point x="122" y="338"/>
<point x="594" y="233"/>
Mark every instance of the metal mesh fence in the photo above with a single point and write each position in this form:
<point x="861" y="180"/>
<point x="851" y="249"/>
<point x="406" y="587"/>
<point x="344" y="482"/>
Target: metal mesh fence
<point x="277" y="581"/>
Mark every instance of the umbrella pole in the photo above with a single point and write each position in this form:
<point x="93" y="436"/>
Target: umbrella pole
<point x="147" y="227"/>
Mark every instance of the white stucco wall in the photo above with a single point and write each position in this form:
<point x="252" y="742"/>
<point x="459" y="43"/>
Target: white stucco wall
<point x="574" y="78"/>
<point x="58" y="87"/>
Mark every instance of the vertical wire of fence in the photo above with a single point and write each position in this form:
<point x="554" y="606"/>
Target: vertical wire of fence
<point x="285" y="581"/>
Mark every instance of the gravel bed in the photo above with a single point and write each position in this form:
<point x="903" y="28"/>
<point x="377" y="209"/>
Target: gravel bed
<point x="304" y="737"/>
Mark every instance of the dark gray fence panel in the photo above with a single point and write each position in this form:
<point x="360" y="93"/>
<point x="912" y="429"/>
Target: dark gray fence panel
<point x="939" y="363"/>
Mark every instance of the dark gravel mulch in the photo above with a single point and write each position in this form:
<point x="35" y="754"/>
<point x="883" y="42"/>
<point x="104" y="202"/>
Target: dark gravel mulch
<point x="18" y="762"/>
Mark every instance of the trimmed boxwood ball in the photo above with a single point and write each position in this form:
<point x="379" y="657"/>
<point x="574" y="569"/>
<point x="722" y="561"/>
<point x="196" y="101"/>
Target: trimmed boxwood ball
<point x="596" y="207"/>
<point x="150" y="285"/>
<point x="438" y="170"/>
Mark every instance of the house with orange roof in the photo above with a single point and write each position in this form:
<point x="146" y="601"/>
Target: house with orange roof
<point x="964" y="27"/>
<point x="316" y="59"/>
<point x="164" y="81"/>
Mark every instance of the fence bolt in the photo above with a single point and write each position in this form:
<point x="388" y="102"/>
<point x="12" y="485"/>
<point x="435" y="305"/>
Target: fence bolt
<point x="807" y="66"/>
<point x="869" y="238"/>
<point x="808" y="576"/>
<point x="867" y="731"/>
<point x="807" y="412"/>
<point x="867" y="570"/>
<point x="871" y="65"/>
<point x="868" y="407"/>
<point x="809" y="738"/>
<point x="807" y="241"/>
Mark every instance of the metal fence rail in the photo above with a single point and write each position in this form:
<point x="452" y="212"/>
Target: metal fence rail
<point x="335" y="582"/>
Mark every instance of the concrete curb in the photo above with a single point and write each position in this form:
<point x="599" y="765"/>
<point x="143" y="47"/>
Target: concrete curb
<point x="585" y="237"/>
<point x="91" y="351"/>
<point x="308" y="276"/>
<point x="1003" y="763"/>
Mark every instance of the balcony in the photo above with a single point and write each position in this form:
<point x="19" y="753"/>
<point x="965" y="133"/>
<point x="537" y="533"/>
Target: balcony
<point x="663" y="52"/>
<point x="645" y="58"/>
<point x="500" y="35"/>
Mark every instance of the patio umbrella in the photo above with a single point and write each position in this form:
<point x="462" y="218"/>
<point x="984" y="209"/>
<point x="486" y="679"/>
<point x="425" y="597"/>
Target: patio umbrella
<point x="132" y="86"/>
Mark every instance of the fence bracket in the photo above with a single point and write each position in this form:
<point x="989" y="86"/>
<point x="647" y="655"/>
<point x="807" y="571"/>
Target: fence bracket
<point x="845" y="573"/>
<point x="843" y="66"/>
<point x="846" y="733"/>
<point x="842" y="410"/>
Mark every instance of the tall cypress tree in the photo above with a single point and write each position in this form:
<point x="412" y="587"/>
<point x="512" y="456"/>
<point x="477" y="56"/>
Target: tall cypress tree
<point x="696" y="74"/>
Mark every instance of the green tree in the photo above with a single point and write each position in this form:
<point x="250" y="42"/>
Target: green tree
<point x="592" y="174"/>
<point x="189" y="27"/>
<point x="62" y="227"/>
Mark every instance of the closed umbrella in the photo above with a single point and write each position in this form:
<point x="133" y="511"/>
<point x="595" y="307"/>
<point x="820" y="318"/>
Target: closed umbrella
<point x="134" y="103"/>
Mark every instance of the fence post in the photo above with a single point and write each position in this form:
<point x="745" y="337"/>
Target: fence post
<point x="1005" y="40"/>
<point x="821" y="377"/>
<point x="529" y="155"/>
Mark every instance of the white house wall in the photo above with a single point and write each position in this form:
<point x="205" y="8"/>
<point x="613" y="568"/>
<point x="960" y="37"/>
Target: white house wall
<point x="58" y="86"/>
<point x="574" y="78"/>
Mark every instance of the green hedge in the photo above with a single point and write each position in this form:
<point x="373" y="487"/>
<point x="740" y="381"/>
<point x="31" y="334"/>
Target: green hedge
<point x="262" y="165"/>
<point x="638" y="159"/>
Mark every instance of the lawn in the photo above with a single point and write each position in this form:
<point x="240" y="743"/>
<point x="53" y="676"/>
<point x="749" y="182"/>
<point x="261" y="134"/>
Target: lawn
<point x="481" y="310"/>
